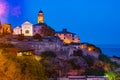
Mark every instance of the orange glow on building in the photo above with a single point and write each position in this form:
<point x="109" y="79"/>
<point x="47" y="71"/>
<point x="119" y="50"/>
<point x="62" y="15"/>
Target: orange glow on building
<point x="90" y="48"/>
<point x="67" y="37"/>
<point x="68" y="41"/>
<point x="6" y="29"/>
<point x="40" y="17"/>
<point x="82" y="46"/>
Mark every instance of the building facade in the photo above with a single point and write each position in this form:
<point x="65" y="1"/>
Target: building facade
<point x="27" y="28"/>
<point x="6" y="29"/>
<point x="17" y="30"/>
<point x="67" y="37"/>
<point x="40" y="17"/>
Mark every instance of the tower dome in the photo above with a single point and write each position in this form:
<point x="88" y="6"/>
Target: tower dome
<point x="40" y="11"/>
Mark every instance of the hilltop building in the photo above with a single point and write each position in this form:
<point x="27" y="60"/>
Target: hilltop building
<point x="37" y="28"/>
<point x="17" y="30"/>
<point x="27" y="28"/>
<point x="67" y="37"/>
<point x="5" y="28"/>
<point x="40" y="17"/>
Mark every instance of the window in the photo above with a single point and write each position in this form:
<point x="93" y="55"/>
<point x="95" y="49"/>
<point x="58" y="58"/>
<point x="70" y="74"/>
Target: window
<point x="27" y="31"/>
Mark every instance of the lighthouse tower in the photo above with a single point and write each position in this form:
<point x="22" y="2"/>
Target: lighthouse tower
<point x="40" y="17"/>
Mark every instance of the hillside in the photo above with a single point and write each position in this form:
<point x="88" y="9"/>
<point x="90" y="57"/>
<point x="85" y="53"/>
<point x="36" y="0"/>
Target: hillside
<point x="20" y="68"/>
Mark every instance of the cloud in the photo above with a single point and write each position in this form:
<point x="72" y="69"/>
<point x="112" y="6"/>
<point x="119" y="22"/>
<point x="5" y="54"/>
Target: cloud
<point x="16" y="11"/>
<point x="4" y="10"/>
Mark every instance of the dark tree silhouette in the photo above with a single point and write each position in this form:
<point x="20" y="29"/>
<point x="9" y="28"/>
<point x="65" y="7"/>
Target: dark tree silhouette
<point x="48" y="54"/>
<point x="46" y="31"/>
<point x="37" y="36"/>
<point x="21" y="37"/>
<point x="78" y="53"/>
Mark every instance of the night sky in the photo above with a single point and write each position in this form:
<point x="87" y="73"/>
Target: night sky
<point x="95" y="21"/>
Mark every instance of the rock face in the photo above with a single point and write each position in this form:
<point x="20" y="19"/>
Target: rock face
<point x="82" y="63"/>
<point x="90" y="49"/>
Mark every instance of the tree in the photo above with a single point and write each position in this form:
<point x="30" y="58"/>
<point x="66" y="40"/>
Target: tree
<point x="20" y="68"/>
<point x="95" y="71"/>
<point x="112" y="75"/>
<point x="21" y="37"/>
<point x="48" y="54"/>
<point x="46" y="31"/>
<point x="6" y="45"/>
<point x="78" y="53"/>
<point x="73" y="64"/>
<point x="37" y="36"/>
<point x="108" y="64"/>
<point x="104" y="58"/>
<point x="90" y="60"/>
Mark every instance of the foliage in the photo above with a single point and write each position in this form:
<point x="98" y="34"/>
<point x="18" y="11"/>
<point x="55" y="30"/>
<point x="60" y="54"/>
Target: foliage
<point x="46" y="31"/>
<point x="6" y="45"/>
<point x="21" y="37"/>
<point x="104" y="58"/>
<point x="73" y="64"/>
<point x="78" y="53"/>
<point x="20" y="68"/>
<point x="48" y="54"/>
<point x="90" y="60"/>
<point x="37" y="36"/>
<point x="108" y="63"/>
<point x="112" y="75"/>
<point x="95" y="71"/>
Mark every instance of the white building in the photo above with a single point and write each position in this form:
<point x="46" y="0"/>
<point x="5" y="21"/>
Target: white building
<point x="27" y="29"/>
<point x="17" y="30"/>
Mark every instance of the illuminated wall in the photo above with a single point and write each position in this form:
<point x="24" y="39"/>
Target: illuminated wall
<point x="40" y="17"/>
<point x="68" y="38"/>
<point x="17" y="30"/>
<point x="27" y="29"/>
<point x="6" y="29"/>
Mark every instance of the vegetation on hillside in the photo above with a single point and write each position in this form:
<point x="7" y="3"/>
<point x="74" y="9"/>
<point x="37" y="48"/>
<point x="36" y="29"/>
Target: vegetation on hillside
<point x="20" y="68"/>
<point x="21" y="37"/>
<point x="37" y="36"/>
<point x="46" y="31"/>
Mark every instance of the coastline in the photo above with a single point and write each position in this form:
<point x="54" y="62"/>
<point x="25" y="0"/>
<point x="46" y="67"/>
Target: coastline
<point x="110" y="49"/>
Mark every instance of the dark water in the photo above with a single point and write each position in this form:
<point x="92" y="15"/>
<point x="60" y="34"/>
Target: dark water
<point x="110" y="50"/>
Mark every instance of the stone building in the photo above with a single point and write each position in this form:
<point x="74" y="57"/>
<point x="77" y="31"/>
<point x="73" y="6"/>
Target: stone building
<point x="5" y="28"/>
<point x="67" y="37"/>
<point x="28" y="29"/>
<point x="17" y="30"/>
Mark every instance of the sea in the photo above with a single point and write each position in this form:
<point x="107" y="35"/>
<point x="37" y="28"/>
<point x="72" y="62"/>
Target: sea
<point x="110" y="49"/>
